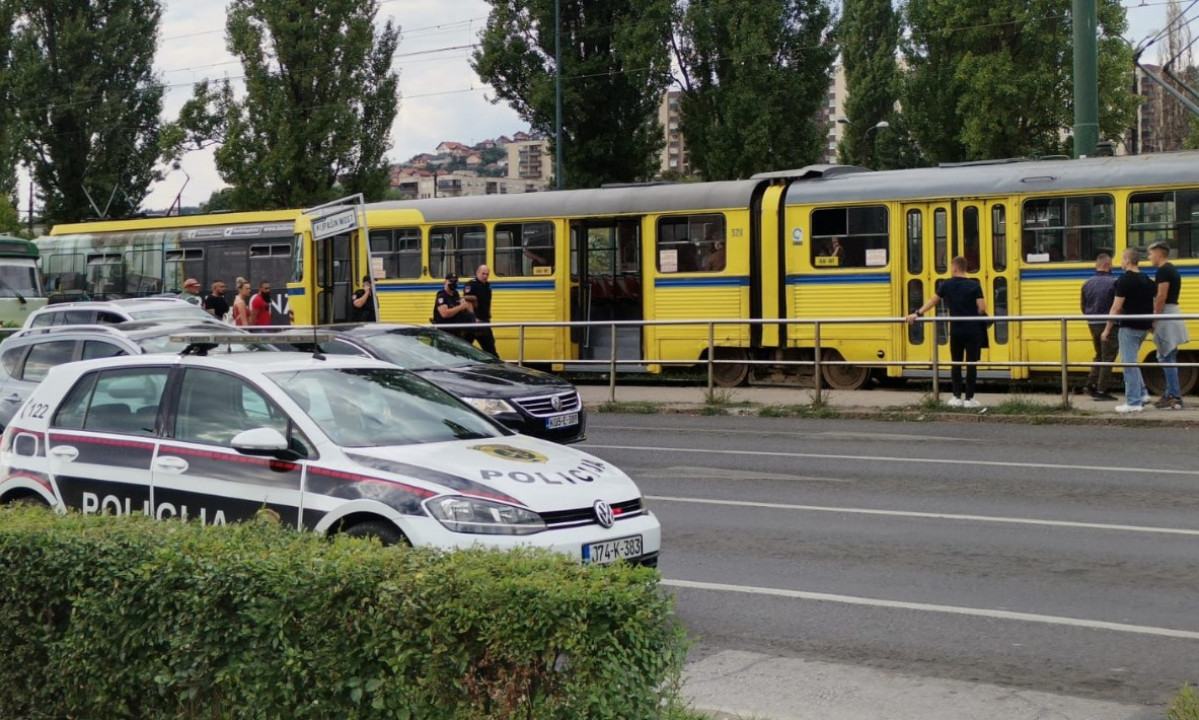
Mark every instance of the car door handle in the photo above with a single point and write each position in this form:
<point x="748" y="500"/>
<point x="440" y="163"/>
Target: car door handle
<point x="65" y="452"/>
<point x="14" y="398"/>
<point x="170" y="463"/>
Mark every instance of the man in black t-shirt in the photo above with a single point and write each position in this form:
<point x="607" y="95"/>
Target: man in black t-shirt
<point x="478" y="293"/>
<point x="1134" y="296"/>
<point x="962" y="297"/>
<point x="215" y="303"/>
<point x="449" y="308"/>
<point x="1168" y="334"/>
<point x="362" y="306"/>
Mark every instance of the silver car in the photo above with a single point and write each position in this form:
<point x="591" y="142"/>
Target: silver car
<point x="27" y="355"/>
<point x="116" y="311"/>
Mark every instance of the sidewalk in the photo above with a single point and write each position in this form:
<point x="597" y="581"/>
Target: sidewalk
<point x="913" y="402"/>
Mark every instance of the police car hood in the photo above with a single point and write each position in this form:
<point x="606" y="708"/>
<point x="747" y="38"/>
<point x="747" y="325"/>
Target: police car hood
<point x="540" y="475"/>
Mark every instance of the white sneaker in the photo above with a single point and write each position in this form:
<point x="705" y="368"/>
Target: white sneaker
<point x="1128" y="408"/>
<point x="955" y="402"/>
<point x="972" y="403"/>
<point x="1145" y="399"/>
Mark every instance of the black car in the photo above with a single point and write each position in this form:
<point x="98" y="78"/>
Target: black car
<point x="528" y="401"/>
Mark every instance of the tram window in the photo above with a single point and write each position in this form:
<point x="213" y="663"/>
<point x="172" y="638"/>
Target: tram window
<point x="971" y="240"/>
<point x="523" y="249"/>
<point x="998" y="237"/>
<point x="457" y="248"/>
<point x="850" y="237"/>
<point x="915" y="242"/>
<point x="263" y="251"/>
<point x="1172" y="217"/>
<point x="915" y="302"/>
<point x="692" y="243"/>
<point x="999" y="302"/>
<point x="1068" y="229"/>
<point x="941" y="240"/>
<point x="398" y="251"/>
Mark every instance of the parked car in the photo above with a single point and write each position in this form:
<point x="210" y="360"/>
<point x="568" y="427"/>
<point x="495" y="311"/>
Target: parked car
<point x="528" y="401"/>
<point x="116" y="311"/>
<point x="330" y="444"/>
<point x="27" y="355"/>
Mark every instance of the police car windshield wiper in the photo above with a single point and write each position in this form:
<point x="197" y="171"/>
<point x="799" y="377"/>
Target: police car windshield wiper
<point x="462" y="433"/>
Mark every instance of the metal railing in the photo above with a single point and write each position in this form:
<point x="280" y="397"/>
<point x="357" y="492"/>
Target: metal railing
<point x="818" y="361"/>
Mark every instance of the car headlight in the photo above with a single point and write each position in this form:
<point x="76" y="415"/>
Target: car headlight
<point x="491" y="406"/>
<point x="472" y="515"/>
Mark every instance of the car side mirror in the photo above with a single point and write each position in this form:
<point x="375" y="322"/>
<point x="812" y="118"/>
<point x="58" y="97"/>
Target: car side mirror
<point x="263" y="442"/>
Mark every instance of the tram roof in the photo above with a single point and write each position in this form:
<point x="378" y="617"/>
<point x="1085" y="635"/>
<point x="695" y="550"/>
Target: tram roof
<point x="968" y="180"/>
<point x="609" y="201"/>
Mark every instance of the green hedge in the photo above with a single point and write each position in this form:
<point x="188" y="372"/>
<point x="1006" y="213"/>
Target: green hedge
<point x="105" y="617"/>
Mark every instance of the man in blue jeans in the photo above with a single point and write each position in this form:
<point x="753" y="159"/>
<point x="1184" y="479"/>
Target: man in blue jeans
<point x="1134" y="296"/>
<point x="1168" y="334"/>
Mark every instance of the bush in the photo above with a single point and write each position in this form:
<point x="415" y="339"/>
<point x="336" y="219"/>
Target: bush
<point x="1185" y="706"/>
<point x="105" y="617"/>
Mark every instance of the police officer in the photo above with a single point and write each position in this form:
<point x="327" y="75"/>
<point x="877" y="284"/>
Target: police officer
<point x="449" y="308"/>
<point x="478" y="293"/>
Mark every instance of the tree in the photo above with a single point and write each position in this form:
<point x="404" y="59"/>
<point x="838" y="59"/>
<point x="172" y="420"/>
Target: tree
<point x="316" y="117"/>
<point x="868" y="35"/>
<point x="615" y="68"/>
<point x="995" y="79"/>
<point x="86" y="103"/>
<point x="754" y="76"/>
<point x="9" y="154"/>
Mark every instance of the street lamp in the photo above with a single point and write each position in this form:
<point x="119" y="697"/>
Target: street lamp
<point x="881" y="124"/>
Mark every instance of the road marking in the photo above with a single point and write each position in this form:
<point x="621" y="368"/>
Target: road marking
<point x="708" y="473"/>
<point x="928" y="607"/>
<point x="927" y="515"/>
<point x="793" y="433"/>
<point x="884" y="458"/>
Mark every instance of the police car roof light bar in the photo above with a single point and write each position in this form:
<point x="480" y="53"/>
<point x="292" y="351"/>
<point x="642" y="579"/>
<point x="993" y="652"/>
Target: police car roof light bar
<point x="200" y="343"/>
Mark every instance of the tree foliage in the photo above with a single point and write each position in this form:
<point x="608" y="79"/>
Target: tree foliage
<point x="85" y="102"/>
<point x="995" y="79"/>
<point x="868" y="35"/>
<point x="615" y="67"/>
<point x="754" y="76"/>
<point x="319" y="102"/>
<point x="8" y="136"/>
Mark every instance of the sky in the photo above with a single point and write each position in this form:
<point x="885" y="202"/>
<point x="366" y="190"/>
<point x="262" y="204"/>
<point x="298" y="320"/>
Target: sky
<point x="441" y="97"/>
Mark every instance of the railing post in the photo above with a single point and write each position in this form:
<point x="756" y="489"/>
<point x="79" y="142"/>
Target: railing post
<point x="936" y="362"/>
<point x="520" y="346"/>
<point x="711" y="353"/>
<point x="817" y="374"/>
<point x="1065" y="373"/>
<point x="612" y="368"/>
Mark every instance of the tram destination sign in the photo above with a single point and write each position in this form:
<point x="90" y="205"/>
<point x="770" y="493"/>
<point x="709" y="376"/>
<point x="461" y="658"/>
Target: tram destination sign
<point x="335" y="224"/>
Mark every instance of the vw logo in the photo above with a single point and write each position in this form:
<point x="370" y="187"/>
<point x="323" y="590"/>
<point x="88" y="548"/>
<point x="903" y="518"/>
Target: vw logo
<point x="603" y="513"/>
<point x="556" y="402"/>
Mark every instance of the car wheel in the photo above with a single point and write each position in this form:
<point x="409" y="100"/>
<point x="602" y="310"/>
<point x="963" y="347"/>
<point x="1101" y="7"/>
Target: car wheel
<point x="387" y="533"/>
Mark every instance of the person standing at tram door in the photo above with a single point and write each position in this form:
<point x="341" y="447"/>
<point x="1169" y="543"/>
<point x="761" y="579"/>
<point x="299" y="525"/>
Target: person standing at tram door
<point x="477" y="292"/>
<point x="1134" y="296"/>
<point x="363" y="309"/>
<point x="1168" y="335"/>
<point x="1098" y="293"/>
<point x="963" y="297"/>
<point x="449" y="308"/>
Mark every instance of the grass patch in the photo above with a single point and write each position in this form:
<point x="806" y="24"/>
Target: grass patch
<point x="633" y="407"/>
<point x="718" y="396"/>
<point x="820" y="412"/>
<point x="710" y="409"/>
<point x="1185" y="706"/>
<point x="1022" y="405"/>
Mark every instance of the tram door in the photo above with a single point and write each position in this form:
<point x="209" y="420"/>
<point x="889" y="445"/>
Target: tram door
<point x="605" y="286"/>
<point x="334" y="272"/>
<point x="935" y="233"/>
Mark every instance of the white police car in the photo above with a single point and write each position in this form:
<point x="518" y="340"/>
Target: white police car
<point x="331" y="444"/>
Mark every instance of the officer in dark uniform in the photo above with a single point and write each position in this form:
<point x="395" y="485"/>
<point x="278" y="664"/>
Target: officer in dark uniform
<point x="478" y="293"/>
<point x="449" y="308"/>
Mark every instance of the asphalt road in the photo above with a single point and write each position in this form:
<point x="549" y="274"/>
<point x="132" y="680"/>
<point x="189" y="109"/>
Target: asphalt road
<point x="1042" y="558"/>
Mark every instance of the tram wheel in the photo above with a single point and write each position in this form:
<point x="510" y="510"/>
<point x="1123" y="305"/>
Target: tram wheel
<point x="730" y="374"/>
<point x="844" y="377"/>
<point x="1155" y="380"/>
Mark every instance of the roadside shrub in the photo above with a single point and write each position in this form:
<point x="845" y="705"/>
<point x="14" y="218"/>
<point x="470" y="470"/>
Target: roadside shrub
<point x="1185" y="706"/>
<point x="105" y="617"/>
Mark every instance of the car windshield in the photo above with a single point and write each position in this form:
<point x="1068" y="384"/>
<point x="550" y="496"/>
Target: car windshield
<point x="369" y="407"/>
<point x="174" y="310"/>
<point x="421" y="348"/>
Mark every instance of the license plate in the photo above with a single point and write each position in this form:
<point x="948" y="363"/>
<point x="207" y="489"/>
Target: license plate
<point x="562" y="421"/>
<point x="609" y="551"/>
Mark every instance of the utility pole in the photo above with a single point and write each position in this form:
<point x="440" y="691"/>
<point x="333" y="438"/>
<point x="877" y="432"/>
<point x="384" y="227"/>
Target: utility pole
<point x="1086" y="78"/>
<point x="558" y="178"/>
